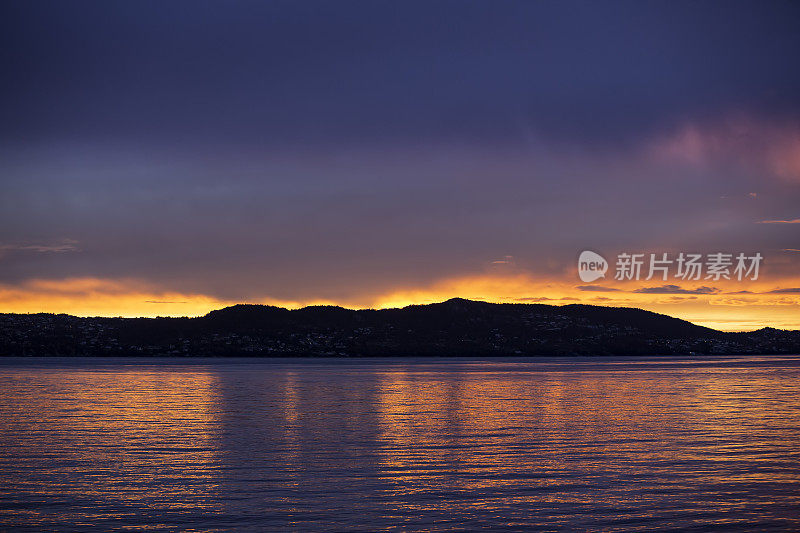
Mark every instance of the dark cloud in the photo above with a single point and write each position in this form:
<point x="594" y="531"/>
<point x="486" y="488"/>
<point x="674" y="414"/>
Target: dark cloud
<point x="675" y="289"/>
<point x="775" y="291"/>
<point x="65" y="246"/>
<point x="304" y="149"/>
<point x="596" y="288"/>
<point x="795" y="290"/>
<point x="381" y="71"/>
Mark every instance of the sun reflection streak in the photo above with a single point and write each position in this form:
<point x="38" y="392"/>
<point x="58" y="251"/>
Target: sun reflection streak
<point x="560" y="441"/>
<point x="139" y="440"/>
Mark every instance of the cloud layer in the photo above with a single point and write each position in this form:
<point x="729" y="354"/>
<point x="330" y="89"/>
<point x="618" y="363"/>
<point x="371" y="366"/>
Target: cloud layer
<point x="365" y="153"/>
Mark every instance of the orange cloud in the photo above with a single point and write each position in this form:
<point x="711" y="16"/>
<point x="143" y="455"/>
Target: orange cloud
<point x="705" y="306"/>
<point x="760" y="305"/>
<point x="101" y="297"/>
<point x="122" y="297"/>
<point x="794" y="221"/>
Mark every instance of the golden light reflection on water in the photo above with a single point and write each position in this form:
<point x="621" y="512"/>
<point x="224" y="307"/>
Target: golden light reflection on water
<point x="319" y="445"/>
<point x="132" y="439"/>
<point x="510" y="439"/>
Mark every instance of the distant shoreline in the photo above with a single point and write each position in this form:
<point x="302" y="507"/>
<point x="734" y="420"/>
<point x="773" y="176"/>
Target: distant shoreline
<point x="455" y="328"/>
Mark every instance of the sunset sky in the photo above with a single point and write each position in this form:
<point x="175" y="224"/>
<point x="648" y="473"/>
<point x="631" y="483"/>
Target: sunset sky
<point x="169" y="158"/>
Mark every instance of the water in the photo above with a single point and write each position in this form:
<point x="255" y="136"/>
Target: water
<point x="548" y="444"/>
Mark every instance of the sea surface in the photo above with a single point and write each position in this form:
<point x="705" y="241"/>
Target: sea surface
<point x="555" y="444"/>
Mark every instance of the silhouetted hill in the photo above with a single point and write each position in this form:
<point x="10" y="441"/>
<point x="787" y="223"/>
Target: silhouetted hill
<point x="456" y="327"/>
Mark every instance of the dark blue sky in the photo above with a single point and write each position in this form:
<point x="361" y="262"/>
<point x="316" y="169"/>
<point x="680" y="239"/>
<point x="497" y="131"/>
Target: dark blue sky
<point x="339" y="150"/>
<point x="278" y="73"/>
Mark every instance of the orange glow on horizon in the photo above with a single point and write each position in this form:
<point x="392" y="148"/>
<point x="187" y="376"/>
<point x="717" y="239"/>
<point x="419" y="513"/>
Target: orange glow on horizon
<point x="723" y="310"/>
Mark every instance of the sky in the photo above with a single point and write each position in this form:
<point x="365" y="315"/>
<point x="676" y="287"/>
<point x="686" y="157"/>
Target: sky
<point x="169" y="158"/>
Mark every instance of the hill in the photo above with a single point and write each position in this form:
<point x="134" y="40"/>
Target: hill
<point x="456" y="327"/>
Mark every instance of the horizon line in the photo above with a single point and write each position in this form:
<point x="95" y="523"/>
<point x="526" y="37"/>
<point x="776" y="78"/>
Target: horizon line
<point x="376" y="309"/>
